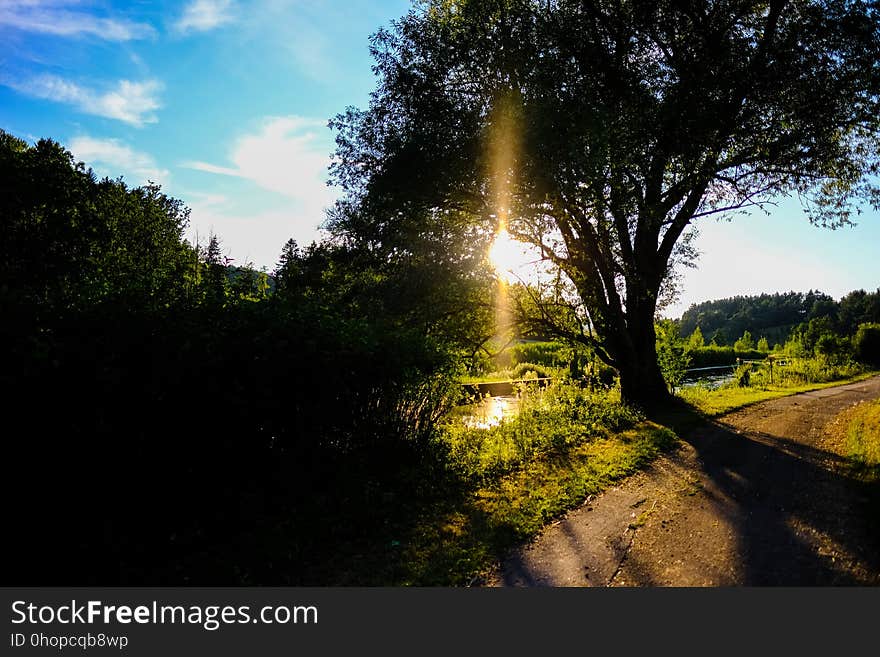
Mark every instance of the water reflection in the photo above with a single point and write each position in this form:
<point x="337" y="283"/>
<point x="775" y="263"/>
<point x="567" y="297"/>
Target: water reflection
<point x="490" y="412"/>
<point x="708" y="382"/>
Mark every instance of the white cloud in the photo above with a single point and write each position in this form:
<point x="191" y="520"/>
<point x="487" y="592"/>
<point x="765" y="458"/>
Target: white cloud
<point x="253" y="238"/>
<point x="287" y="156"/>
<point x="130" y="102"/>
<point x="53" y="17"/>
<point x="213" y="168"/>
<point x="204" y="15"/>
<point x="112" y="158"/>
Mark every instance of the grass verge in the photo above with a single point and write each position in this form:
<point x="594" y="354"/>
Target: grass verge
<point x="855" y="435"/>
<point x="514" y="479"/>
<point x="453" y="543"/>
<point x="712" y="403"/>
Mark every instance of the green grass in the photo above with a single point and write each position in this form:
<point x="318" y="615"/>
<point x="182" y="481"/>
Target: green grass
<point x="862" y="446"/>
<point x="518" y="371"/>
<point x="512" y="480"/>
<point x="492" y="377"/>
<point x="565" y="444"/>
<point x="558" y="417"/>
<point x="722" y="400"/>
<point x="453" y="543"/>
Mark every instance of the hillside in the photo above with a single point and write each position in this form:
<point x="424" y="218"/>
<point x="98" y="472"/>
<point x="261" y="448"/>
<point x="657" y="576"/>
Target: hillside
<point x="774" y="315"/>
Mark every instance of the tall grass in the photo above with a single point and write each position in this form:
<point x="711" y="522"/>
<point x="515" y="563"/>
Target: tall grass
<point x="796" y="372"/>
<point x="548" y="354"/>
<point x="753" y="382"/>
<point x="564" y="444"/>
<point x="555" y="418"/>
<point x="863" y="440"/>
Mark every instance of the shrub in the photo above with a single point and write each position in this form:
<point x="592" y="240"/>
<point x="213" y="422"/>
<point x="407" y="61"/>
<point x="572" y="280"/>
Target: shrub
<point x="522" y="371"/>
<point x="712" y="355"/>
<point x="866" y="344"/>
<point x="559" y="416"/>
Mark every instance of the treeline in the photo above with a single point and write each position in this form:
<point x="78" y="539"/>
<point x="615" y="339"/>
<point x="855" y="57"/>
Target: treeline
<point x="844" y="333"/>
<point x="174" y="420"/>
<point x="774" y="316"/>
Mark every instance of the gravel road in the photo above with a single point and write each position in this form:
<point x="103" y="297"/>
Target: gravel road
<point x="753" y="498"/>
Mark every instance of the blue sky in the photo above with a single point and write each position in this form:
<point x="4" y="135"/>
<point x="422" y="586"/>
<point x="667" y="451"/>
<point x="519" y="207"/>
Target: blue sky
<point x="225" y="104"/>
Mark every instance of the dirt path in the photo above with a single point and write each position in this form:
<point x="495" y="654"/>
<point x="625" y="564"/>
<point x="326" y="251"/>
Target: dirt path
<point x="751" y="499"/>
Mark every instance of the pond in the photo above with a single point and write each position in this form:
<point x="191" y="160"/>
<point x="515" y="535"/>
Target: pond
<point x="489" y="412"/>
<point x="711" y="382"/>
<point x="708" y="377"/>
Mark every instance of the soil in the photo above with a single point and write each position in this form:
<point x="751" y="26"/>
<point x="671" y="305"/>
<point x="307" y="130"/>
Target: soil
<point x="754" y="498"/>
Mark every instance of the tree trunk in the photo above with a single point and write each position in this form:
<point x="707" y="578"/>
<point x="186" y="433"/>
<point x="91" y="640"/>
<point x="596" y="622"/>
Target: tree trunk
<point x="635" y="354"/>
<point x="641" y="381"/>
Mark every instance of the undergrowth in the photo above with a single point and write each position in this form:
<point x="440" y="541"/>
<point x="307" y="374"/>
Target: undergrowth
<point x="564" y="444"/>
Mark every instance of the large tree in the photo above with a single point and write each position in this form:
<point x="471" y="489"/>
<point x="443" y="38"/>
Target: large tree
<point x="602" y="130"/>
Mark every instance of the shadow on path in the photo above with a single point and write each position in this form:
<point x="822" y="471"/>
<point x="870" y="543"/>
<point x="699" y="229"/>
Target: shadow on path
<point x="797" y="518"/>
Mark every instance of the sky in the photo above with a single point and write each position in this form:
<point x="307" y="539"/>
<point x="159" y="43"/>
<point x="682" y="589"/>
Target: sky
<point x="225" y="104"/>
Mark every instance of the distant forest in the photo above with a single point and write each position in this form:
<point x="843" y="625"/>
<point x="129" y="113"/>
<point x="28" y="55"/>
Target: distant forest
<point x="773" y="316"/>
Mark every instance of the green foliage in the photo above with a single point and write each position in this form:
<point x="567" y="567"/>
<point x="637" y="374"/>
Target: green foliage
<point x="454" y="542"/>
<point x="833" y="348"/>
<point x="547" y="354"/>
<point x="745" y="343"/>
<point x="717" y="401"/>
<point x="858" y="307"/>
<point x="863" y="440"/>
<point x="673" y="355"/>
<point x="695" y="341"/>
<point x="531" y="370"/>
<point x="770" y="315"/>
<point x="214" y="280"/>
<point x="163" y="362"/>
<point x="597" y="149"/>
<point x="558" y="417"/>
<point x="288" y="273"/>
<point x="794" y="372"/>
<point x="69" y="242"/>
<point x="763" y="345"/>
<point x="866" y="344"/>
<point x="712" y="355"/>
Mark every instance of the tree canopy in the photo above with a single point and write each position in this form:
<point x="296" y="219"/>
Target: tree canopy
<point x="775" y="315"/>
<point x="69" y="240"/>
<point x="603" y="131"/>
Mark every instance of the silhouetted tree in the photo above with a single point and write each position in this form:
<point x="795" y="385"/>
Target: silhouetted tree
<point x="601" y="131"/>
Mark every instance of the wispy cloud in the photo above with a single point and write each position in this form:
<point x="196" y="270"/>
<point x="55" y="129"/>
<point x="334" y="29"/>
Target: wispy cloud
<point x="305" y="32"/>
<point x="288" y="156"/>
<point x="57" y="17"/>
<point x="130" y="102"/>
<point x="204" y="15"/>
<point x="110" y="157"/>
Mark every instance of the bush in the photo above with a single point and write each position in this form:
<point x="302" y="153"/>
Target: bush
<point x="522" y="370"/>
<point x="553" y="418"/>
<point x="605" y="375"/>
<point x="866" y="344"/>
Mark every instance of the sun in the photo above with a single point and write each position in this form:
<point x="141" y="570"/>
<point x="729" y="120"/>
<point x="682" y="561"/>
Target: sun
<point x="508" y="256"/>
